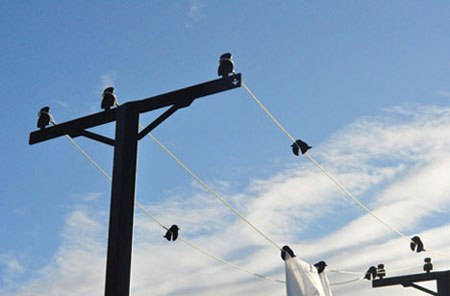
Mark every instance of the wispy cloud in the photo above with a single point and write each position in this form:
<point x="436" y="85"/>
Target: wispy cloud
<point x="397" y="164"/>
<point x="62" y="104"/>
<point x="194" y="12"/>
<point x="13" y="267"/>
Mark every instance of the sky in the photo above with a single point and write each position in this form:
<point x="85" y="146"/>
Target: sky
<point x="365" y="83"/>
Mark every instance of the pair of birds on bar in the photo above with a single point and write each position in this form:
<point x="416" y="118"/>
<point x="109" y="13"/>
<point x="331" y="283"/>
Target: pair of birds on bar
<point x="109" y="100"/>
<point x="226" y="66"/>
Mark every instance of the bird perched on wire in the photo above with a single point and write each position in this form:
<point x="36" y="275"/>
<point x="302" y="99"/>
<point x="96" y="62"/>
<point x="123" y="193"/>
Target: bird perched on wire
<point x="417" y="245"/>
<point x="226" y="65"/>
<point x="371" y="273"/>
<point x="299" y="144"/>
<point x="320" y="266"/>
<point x="109" y="98"/>
<point x="44" y="117"/>
<point x="172" y="233"/>
<point x="288" y="250"/>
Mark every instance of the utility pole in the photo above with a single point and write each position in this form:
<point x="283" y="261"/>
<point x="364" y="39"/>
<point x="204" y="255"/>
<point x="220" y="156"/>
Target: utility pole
<point x="442" y="279"/>
<point x="125" y="145"/>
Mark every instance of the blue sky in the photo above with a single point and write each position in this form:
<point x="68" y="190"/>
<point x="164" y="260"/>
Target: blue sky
<point x="367" y="84"/>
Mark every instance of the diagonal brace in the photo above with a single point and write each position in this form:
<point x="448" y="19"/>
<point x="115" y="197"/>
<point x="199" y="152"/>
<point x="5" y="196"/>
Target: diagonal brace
<point x="92" y="136"/>
<point x="97" y="137"/>
<point x="420" y="288"/>
<point x="157" y="121"/>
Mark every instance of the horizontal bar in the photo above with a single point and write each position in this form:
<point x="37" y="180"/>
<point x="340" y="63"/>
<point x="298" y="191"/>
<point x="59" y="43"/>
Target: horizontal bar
<point x="407" y="280"/>
<point x="185" y="95"/>
<point x="74" y="127"/>
<point x="179" y="97"/>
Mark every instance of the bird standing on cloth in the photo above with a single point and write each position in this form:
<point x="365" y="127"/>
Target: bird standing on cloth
<point x="320" y="266"/>
<point x="109" y="98"/>
<point x="302" y="278"/>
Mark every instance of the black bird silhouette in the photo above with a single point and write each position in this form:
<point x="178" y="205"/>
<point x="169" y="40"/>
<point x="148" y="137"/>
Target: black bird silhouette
<point x="417" y="244"/>
<point x="381" y="272"/>
<point x="300" y="144"/>
<point x="226" y="65"/>
<point x="288" y="250"/>
<point x="44" y="117"/>
<point x="428" y="266"/>
<point x="172" y="233"/>
<point x="371" y="273"/>
<point x="320" y="266"/>
<point x="109" y="98"/>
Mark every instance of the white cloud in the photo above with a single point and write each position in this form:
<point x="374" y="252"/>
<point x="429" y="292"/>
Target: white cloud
<point x="397" y="165"/>
<point x="12" y="265"/>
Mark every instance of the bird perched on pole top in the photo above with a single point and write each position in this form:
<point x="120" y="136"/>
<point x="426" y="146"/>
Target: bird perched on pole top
<point x="109" y="98"/>
<point x="44" y="117"/>
<point x="226" y="65"/>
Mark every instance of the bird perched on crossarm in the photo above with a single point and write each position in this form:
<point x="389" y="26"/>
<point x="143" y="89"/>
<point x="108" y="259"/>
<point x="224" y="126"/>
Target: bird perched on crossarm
<point x="44" y="117"/>
<point x="299" y="144"/>
<point x="226" y="65"/>
<point x="172" y="233"/>
<point x="109" y="98"/>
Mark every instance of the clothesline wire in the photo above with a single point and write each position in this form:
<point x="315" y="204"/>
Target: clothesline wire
<point x="210" y="190"/>
<point x="334" y="180"/>
<point x="387" y="269"/>
<point x="195" y="246"/>
<point x="164" y="227"/>
<point x="347" y="282"/>
<point x="235" y="266"/>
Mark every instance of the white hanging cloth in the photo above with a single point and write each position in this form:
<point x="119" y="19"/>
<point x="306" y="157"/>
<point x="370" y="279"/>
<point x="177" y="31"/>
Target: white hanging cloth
<point x="303" y="279"/>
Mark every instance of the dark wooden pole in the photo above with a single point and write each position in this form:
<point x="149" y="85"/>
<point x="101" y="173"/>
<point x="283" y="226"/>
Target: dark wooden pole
<point x="121" y="217"/>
